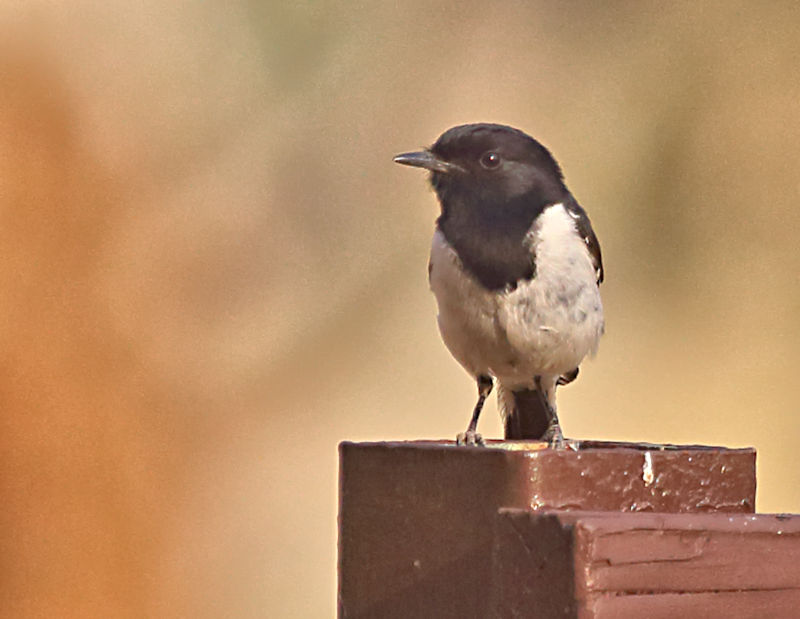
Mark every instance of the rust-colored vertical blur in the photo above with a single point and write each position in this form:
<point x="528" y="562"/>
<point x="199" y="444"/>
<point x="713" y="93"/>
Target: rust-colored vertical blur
<point x="211" y="273"/>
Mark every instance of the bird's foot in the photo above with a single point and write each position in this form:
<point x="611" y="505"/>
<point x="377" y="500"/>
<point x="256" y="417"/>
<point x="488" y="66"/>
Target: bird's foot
<point x="554" y="437"/>
<point x="470" y="437"/>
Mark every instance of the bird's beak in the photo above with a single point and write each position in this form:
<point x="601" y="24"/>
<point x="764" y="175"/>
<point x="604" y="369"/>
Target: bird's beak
<point x="429" y="161"/>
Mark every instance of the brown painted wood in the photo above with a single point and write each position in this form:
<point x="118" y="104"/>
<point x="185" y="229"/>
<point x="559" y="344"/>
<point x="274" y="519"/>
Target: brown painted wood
<point x="416" y="520"/>
<point x="701" y="552"/>
<point x="646" y="565"/>
<point x="780" y="604"/>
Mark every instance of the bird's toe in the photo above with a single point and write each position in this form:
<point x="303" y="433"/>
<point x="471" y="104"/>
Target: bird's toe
<point x="555" y="437"/>
<point x="470" y="438"/>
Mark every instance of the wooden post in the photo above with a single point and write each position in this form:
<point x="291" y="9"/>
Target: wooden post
<point x="419" y="534"/>
<point x="605" y="565"/>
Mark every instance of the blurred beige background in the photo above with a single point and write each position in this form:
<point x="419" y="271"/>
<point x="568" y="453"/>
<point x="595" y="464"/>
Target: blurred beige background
<point x="212" y="273"/>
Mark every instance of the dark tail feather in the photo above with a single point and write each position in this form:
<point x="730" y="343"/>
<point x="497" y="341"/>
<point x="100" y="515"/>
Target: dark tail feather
<point x="566" y="379"/>
<point x="525" y="416"/>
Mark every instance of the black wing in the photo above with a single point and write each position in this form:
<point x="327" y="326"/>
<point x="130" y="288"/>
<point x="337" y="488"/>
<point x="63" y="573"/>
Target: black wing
<point x="584" y="227"/>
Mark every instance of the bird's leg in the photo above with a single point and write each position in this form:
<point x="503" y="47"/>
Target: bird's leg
<point x="471" y="437"/>
<point x="553" y="434"/>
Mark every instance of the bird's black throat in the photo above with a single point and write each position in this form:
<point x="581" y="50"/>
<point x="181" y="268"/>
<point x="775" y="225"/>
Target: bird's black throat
<point x="490" y="235"/>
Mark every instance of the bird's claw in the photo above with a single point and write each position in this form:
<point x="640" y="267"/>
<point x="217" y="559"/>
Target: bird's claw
<point x="555" y="437"/>
<point x="471" y="438"/>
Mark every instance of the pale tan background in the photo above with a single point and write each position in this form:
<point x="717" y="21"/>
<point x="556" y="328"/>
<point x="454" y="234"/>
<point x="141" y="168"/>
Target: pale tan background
<point x="211" y="272"/>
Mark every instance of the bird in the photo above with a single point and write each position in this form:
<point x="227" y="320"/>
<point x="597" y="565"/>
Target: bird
<point x="515" y="268"/>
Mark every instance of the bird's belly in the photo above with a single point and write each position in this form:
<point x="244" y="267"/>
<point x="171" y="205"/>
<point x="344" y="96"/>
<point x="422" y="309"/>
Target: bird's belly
<point x="471" y="332"/>
<point x="552" y="326"/>
<point x="514" y="338"/>
<point x="547" y="325"/>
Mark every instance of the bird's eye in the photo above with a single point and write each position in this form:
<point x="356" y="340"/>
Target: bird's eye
<point x="490" y="160"/>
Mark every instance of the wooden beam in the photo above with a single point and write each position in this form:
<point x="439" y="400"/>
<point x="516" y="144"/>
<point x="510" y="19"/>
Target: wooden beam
<point x="620" y="565"/>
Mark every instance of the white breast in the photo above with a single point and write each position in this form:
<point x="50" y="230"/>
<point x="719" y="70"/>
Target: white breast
<point x="546" y="326"/>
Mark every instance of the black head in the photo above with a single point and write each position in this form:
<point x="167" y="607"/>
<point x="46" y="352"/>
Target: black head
<point x="493" y="164"/>
<point x="492" y="182"/>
